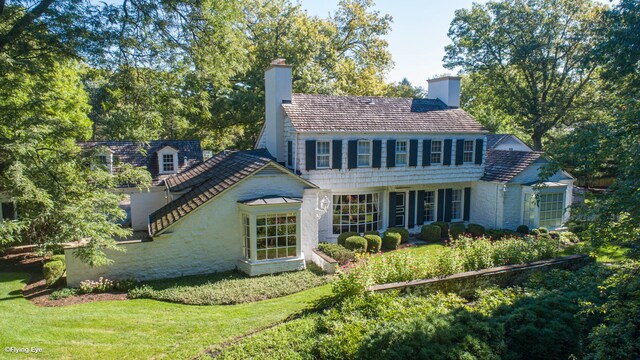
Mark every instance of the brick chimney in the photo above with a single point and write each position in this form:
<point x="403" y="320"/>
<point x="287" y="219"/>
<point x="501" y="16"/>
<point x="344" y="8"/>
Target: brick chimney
<point x="277" y="89"/>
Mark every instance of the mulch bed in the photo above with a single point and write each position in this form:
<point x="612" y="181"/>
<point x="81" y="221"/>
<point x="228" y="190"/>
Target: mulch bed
<point x="36" y="289"/>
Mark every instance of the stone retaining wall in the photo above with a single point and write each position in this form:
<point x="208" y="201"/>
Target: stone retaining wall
<point x="465" y="284"/>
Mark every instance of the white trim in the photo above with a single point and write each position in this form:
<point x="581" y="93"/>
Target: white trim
<point x="167" y="150"/>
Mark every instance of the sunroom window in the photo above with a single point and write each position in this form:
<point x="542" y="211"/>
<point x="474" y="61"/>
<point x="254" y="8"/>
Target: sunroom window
<point x="276" y="236"/>
<point x="357" y="212"/>
<point x="551" y="209"/>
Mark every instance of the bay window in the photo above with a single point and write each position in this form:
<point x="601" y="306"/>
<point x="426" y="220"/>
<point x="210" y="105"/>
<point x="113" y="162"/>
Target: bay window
<point x="551" y="209"/>
<point x="357" y="212"/>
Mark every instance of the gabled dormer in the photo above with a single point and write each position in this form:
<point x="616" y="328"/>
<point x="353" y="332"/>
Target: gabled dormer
<point x="167" y="160"/>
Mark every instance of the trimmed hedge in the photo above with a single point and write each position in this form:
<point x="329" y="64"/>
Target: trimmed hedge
<point x="457" y="229"/>
<point x="356" y="243"/>
<point x="343" y="237"/>
<point x="376" y="233"/>
<point x="430" y="232"/>
<point x="53" y="271"/>
<point x="404" y="233"/>
<point x="374" y="242"/>
<point x="554" y="235"/>
<point x="59" y="258"/>
<point x="444" y="228"/>
<point x="476" y="230"/>
<point x="523" y="229"/>
<point x="543" y="230"/>
<point x="391" y="240"/>
<point x="337" y="252"/>
<point x="535" y="232"/>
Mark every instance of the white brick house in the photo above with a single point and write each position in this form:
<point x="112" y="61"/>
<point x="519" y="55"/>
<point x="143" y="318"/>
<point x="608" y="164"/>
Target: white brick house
<point x="324" y="165"/>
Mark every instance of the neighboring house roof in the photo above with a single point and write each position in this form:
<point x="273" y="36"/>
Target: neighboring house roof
<point x="494" y="140"/>
<point x="208" y="180"/>
<point x="504" y="165"/>
<point x="322" y="113"/>
<point x="144" y="154"/>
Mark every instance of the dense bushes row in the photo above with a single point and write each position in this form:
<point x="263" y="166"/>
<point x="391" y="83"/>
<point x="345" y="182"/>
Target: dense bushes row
<point x="337" y="252"/>
<point x="464" y="254"/>
<point x="556" y="315"/>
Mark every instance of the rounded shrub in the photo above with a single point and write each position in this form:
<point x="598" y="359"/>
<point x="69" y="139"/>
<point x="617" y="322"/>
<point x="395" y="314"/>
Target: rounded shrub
<point x="343" y="237"/>
<point x="59" y="258"/>
<point x="535" y="232"/>
<point x="523" y="229"/>
<point x="554" y="235"/>
<point x="376" y="233"/>
<point x="430" y="232"/>
<point x="374" y="242"/>
<point x="457" y="229"/>
<point x="53" y="271"/>
<point x="356" y="243"/>
<point x="404" y="233"/>
<point x="444" y="228"/>
<point x="476" y="229"/>
<point x="391" y="240"/>
<point x="543" y="230"/>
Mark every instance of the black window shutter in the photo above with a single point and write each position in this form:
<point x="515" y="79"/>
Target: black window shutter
<point x="310" y="151"/>
<point x="412" y="209"/>
<point x="413" y="152"/>
<point x="336" y="154"/>
<point x="447" y="152"/>
<point x="392" y="209"/>
<point x="420" y="211"/>
<point x="459" y="151"/>
<point x="440" y="205"/>
<point x="479" y="151"/>
<point x="447" y="204"/>
<point x="426" y="152"/>
<point x="467" y="204"/>
<point x="391" y="153"/>
<point x="352" y="154"/>
<point x="376" y="162"/>
<point x="290" y="153"/>
<point x="8" y="211"/>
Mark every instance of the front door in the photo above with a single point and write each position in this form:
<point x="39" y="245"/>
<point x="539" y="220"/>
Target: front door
<point x="400" y="209"/>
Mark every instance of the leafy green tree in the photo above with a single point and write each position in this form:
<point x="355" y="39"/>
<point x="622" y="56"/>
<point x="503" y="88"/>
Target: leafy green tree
<point x="533" y="56"/>
<point x="404" y="88"/>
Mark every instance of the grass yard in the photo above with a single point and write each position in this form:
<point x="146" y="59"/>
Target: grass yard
<point x="230" y="287"/>
<point x="135" y="328"/>
<point x="426" y="250"/>
<point x="606" y="253"/>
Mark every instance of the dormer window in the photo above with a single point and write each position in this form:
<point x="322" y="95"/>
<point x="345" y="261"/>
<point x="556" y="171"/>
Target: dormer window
<point x="105" y="160"/>
<point x="168" y="160"/>
<point x="167" y="163"/>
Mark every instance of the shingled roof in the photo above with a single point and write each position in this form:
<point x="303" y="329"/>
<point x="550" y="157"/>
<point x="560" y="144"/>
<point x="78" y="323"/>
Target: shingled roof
<point x="144" y="154"/>
<point x="494" y="139"/>
<point x="318" y="113"/>
<point x="206" y="181"/>
<point x="504" y="165"/>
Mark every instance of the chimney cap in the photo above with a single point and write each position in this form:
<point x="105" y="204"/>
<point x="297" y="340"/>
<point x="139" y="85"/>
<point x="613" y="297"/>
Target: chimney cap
<point x="442" y="78"/>
<point x="280" y="62"/>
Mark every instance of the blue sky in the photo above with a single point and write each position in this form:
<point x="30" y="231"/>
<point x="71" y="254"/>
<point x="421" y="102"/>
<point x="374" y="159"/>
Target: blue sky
<point x="418" y="33"/>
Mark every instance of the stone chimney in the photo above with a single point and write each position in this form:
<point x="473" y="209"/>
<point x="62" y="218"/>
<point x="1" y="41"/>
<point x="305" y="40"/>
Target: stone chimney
<point x="445" y="88"/>
<point x="277" y="90"/>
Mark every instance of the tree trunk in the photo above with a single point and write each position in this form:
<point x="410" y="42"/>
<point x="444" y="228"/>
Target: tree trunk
<point x="537" y="141"/>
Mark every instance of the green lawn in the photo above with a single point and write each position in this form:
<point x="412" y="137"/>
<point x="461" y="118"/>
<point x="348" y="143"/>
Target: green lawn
<point x="429" y="249"/>
<point x="134" y="328"/>
<point x="605" y="253"/>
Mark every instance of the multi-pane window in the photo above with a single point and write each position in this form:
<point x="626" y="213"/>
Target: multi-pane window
<point x="167" y="163"/>
<point x="102" y="159"/>
<point x="429" y="206"/>
<point x="436" y="151"/>
<point x="456" y="204"/>
<point x="364" y="153"/>
<point x="401" y="153"/>
<point x="551" y="209"/>
<point x="357" y="213"/>
<point x="246" y="231"/>
<point x="529" y="211"/>
<point x="323" y="154"/>
<point x="467" y="155"/>
<point x="276" y="235"/>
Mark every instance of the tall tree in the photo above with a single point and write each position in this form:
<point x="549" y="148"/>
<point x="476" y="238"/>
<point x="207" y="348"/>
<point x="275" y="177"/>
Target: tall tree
<point x="533" y="56"/>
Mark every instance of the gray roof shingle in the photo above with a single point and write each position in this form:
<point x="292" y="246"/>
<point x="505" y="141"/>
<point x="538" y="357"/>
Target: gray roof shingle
<point x="206" y="181"/>
<point x="494" y="139"/>
<point x="319" y="113"/>
<point x="504" y="165"/>
<point x="144" y="154"/>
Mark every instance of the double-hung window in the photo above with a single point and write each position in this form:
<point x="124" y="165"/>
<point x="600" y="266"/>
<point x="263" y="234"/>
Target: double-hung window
<point x="467" y="154"/>
<point x="167" y="163"/>
<point x="436" y="151"/>
<point x="429" y="206"/>
<point x="456" y="204"/>
<point x="364" y="153"/>
<point x="323" y="154"/>
<point x="401" y="153"/>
